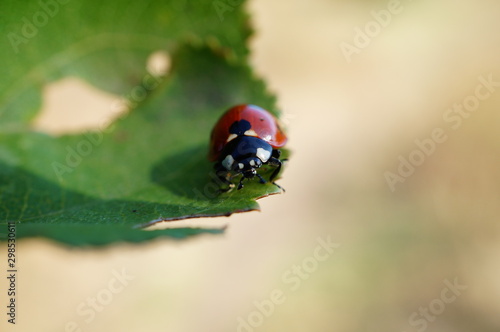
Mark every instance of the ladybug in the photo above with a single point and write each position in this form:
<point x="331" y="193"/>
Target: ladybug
<point x="245" y="138"/>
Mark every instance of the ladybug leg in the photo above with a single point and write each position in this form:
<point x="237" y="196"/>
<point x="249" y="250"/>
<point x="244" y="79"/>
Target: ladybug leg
<point x="277" y="185"/>
<point x="276" y="153"/>
<point x="240" y="185"/>
<point x="274" y="161"/>
<point x="264" y="181"/>
<point x="228" y="189"/>
<point x="224" y="178"/>
<point x="261" y="178"/>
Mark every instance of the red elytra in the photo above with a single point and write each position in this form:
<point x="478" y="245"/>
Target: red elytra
<point x="263" y="125"/>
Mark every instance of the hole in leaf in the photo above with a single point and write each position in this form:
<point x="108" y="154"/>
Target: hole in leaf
<point x="72" y="105"/>
<point x="158" y="63"/>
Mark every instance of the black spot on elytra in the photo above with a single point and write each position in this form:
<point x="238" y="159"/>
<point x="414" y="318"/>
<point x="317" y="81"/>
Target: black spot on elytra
<point x="239" y="127"/>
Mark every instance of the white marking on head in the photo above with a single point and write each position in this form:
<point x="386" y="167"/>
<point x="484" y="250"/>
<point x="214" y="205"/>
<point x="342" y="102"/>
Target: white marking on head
<point x="231" y="137"/>
<point x="252" y="162"/>
<point x="240" y="165"/>
<point x="263" y="154"/>
<point x="228" y="162"/>
<point x="251" y="132"/>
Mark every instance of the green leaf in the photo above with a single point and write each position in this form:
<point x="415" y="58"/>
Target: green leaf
<point x="150" y="165"/>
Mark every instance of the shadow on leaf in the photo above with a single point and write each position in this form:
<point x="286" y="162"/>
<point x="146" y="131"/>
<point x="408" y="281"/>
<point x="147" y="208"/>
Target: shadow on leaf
<point x="188" y="174"/>
<point x="42" y="208"/>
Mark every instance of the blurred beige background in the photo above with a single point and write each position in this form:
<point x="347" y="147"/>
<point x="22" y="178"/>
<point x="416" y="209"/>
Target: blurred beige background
<point x="400" y="251"/>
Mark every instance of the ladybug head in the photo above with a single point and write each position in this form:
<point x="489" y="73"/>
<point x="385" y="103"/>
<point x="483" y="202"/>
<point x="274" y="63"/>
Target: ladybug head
<point x="244" y="155"/>
<point x="248" y="166"/>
